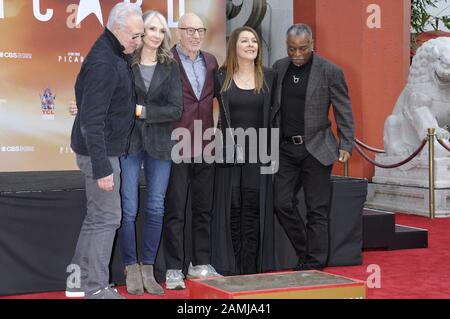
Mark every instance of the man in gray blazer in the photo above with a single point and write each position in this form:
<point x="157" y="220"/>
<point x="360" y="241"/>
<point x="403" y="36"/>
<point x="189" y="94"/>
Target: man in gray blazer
<point x="307" y="86"/>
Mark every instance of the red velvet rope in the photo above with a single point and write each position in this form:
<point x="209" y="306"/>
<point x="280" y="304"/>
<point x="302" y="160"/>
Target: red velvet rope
<point x="367" y="158"/>
<point x="370" y="148"/>
<point x="443" y="144"/>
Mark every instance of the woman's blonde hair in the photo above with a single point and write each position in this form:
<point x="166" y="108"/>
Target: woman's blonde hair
<point x="163" y="55"/>
<point x="231" y="61"/>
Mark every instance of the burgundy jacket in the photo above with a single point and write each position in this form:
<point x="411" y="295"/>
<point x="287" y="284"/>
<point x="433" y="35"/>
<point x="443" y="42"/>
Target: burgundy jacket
<point x="197" y="109"/>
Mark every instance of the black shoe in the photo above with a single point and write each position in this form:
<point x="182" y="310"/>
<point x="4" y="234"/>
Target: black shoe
<point x="301" y="267"/>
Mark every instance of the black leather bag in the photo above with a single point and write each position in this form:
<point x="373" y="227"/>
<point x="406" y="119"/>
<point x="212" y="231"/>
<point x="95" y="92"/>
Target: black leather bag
<point x="232" y="155"/>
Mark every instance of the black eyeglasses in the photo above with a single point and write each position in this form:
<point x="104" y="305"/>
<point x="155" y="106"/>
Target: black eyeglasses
<point x="136" y="36"/>
<point x="191" y="31"/>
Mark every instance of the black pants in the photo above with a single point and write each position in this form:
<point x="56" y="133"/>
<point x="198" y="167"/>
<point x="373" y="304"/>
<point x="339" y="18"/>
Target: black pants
<point x="298" y="168"/>
<point x="245" y="218"/>
<point x="197" y="181"/>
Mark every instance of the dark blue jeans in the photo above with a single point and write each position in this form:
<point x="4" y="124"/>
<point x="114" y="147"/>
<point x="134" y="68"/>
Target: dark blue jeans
<point x="157" y="173"/>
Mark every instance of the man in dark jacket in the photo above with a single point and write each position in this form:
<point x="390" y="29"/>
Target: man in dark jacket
<point x="307" y="87"/>
<point x="105" y="96"/>
<point x="191" y="177"/>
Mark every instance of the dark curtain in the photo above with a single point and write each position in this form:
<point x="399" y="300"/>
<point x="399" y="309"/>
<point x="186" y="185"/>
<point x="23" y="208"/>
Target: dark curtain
<point x="39" y="230"/>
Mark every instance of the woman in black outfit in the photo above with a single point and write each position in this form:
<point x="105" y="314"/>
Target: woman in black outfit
<point x="241" y="206"/>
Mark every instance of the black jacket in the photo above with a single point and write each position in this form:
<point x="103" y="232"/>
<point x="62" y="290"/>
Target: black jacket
<point x="163" y="102"/>
<point x="105" y="96"/>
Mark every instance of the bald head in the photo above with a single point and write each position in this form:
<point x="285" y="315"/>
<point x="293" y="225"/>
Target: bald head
<point x="191" y="32"/>
<point x="189" y="19"/>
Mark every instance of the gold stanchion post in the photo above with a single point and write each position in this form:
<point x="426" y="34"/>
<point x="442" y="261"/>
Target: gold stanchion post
<point x="431" y="138"/>
<point x="346" y="169"/>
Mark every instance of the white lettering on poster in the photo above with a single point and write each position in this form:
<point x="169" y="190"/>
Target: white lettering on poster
<point x="170" y="12"/>
<point x="87" y="7"/>
<point x="71" y="21"/>
<point x="17" y="149"/>
<point x="37" y="12"/>
<point x="15" y="55"/>
<point x="77" y="13"/>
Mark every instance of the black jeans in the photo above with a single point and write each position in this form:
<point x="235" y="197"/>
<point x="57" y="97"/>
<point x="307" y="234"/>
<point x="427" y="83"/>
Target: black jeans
<point x="197" y="181"/>
<point x="245" y="217"/>
<point x="298" y="168"/>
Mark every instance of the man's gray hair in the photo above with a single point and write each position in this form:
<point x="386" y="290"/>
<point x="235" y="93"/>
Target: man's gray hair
<point x="299" y="29"/>
<point x="121" y="12"/>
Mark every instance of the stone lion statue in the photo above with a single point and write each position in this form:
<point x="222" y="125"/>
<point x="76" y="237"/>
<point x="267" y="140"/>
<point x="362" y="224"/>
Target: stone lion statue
<point x="424" y="102"/>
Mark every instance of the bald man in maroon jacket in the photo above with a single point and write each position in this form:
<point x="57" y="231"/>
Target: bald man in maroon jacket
<point x="188" y="178"/>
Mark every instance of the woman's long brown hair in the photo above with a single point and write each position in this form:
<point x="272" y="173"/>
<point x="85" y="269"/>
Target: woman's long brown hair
<point x="231" y="61"/>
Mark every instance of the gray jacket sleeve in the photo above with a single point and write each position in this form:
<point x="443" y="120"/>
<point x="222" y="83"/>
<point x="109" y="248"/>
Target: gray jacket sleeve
<point x="342" y="110"/>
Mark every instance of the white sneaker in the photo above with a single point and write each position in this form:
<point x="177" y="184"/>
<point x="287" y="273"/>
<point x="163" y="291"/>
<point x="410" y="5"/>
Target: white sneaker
<point x="175" y="279"/>
<point x="106" y="293"/>
<point x="202" y="271"/>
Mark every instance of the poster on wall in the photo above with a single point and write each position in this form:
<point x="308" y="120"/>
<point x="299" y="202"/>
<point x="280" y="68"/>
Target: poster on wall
<point x="43" y="43"/>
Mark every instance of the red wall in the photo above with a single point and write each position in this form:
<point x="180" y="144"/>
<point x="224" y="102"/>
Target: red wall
<point x="375" y="60"/>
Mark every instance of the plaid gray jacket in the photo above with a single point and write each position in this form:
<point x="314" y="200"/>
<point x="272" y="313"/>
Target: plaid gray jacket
<point x="326" y="87"/>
